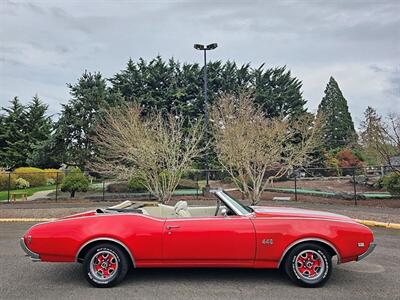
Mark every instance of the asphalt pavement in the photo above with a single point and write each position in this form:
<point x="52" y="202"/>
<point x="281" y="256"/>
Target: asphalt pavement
<point x="376" y="277"/>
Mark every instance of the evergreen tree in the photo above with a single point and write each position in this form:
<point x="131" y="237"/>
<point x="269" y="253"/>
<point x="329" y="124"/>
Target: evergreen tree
<point x="79" y="117"/>
<point x="13" y="136"/>
<point x="39" y="129"/>
<point x="277" y="92"/>
<point x="338" y="128"/>
<point x="370" y="127"/>
<point x="172" y="87"/>
<point x="2" y="139"/>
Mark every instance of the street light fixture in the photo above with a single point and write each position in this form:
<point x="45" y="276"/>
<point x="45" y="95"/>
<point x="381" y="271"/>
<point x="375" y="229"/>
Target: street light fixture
<point x="205" y="48"/>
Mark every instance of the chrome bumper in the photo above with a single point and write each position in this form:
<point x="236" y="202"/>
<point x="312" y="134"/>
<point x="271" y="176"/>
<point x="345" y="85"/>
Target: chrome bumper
<point x="368" y="252"/>
<point x="33" y="256"/>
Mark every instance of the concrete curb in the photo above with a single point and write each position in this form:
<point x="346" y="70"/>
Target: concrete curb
<point x="25" y="219"/>
<point x="379" y="224"/>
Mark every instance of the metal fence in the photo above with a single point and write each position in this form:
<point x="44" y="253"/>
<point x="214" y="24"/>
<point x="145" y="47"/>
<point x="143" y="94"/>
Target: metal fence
<point x="302" y="184"/>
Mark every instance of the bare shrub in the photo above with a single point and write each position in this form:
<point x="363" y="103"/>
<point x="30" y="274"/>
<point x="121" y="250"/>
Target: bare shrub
<point x="251" y="147"/>
<point x="381" y="137"/>
<point x="155" y="149"/>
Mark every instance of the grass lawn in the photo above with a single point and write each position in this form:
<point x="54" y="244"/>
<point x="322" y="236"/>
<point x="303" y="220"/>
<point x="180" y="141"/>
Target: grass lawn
<point x="28" y="191"/>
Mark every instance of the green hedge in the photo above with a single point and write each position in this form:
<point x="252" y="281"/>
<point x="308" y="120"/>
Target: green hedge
<point x="392" y="183"/>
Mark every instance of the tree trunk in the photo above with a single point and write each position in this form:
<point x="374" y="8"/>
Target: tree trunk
<point x="72" y="194"/>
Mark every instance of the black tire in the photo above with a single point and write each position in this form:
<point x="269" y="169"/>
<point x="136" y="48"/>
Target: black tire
<point x="308" y="265"/>
<point x="116" y="265"/>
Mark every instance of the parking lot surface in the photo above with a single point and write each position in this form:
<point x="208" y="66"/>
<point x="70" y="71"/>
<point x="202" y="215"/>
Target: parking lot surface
<point x="376" y="277"/>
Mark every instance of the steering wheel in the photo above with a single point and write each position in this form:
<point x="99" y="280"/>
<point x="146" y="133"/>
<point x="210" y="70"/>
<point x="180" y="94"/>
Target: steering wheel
<point x="218" y="206"/>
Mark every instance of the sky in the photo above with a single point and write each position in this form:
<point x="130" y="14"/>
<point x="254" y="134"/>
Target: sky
<point x="46" y="44"/>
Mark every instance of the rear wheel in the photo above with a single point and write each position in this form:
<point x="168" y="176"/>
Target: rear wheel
<point x="308" y="265"/>
<point x="105" y="265"/>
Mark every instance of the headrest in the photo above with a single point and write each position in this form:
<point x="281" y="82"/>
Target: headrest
<point x="180" y="205"/>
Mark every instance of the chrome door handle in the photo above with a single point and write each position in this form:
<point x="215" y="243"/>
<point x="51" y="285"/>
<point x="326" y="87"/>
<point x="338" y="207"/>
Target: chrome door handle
<point x="169" y="227"/>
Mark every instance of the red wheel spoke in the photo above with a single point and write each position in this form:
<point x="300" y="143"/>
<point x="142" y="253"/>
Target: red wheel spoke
<point x="309" y="264"/>
<point x="312" y="272"/>
<point x="100" y="258"/>
<point x="104" y="265"/>
<point x="113" y="266"/>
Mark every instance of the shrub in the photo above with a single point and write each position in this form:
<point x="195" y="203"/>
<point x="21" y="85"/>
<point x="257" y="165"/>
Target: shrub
<point x="187" y="183"/>
<point x="341" y="162"/>
<point x="35" y="176"/>
<point x="227" y="179"/>
<point x="51" y="181"/>
<point x="4" y="177"/>
<point x="75" y="181"/>
<point x="21" y="183"/>
<point x="118" y="187"/>
<point x="347" y="159"/>
<point x="332" y="163"/>
<point x="54" y="174"/>
<point x="136" y="185"/>
<point x="392" y="183"/>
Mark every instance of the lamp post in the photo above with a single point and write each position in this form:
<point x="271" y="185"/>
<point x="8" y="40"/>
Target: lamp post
<point x="205" y="48"/>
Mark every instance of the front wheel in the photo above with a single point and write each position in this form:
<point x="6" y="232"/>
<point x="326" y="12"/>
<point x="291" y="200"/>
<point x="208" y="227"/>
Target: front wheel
<point x="105" y="265"/>
<point x="308" y="265"/>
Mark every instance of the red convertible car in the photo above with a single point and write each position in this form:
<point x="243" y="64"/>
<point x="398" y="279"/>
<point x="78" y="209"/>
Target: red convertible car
<point x="110" y="241"/>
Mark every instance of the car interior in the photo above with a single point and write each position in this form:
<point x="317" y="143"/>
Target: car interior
<point x="179" y="210"/>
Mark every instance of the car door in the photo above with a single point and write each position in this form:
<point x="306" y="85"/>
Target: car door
<point x="218" y="240"/>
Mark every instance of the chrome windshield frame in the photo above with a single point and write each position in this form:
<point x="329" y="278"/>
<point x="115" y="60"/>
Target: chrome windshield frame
<point x="227" y="200"/>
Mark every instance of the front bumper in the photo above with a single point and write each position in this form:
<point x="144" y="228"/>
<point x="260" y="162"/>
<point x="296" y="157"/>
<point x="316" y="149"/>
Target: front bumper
<point x="371" y="248"/>
<point x="33" y="256"/>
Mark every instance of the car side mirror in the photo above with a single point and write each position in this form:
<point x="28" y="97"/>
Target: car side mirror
<point x="224" y="212"/>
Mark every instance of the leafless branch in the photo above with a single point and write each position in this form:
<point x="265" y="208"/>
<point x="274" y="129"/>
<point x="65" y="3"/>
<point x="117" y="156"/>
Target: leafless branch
<point x="249" y="145"/>
<point x="156" y="150"/>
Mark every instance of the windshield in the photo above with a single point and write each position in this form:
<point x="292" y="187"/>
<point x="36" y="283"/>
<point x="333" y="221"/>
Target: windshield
<point x="235" y="205"/>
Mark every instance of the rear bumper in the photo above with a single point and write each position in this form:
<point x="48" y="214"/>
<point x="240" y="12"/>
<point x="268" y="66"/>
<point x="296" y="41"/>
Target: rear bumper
<point x="33" y="256"/>
<point x="368" y="252"/>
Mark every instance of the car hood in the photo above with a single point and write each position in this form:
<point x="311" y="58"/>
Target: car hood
<point x="289" y="212"/>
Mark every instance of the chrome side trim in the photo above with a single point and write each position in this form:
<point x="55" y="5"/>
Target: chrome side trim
<point x="371" y="248"/>
<point x="309" y="240"/>
<point x="106" y="239"/>
<point x="33" y="256"/>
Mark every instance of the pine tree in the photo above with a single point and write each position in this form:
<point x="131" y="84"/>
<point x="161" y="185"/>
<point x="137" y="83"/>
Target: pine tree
<point x="158" y="85"/>
<point x="277" y="92"/>
<point x="79" y="118"/>
<point x="13" y="136"/>
<point x="39" y="129"/>
<point x="370" y="133"/>
<point x="172" y="87"/>
<point x="338" y="128"/>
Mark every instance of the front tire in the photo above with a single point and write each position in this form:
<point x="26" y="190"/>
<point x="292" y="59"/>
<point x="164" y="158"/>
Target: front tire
<point x="105" y="265"/>
<point x="308" y="265"/>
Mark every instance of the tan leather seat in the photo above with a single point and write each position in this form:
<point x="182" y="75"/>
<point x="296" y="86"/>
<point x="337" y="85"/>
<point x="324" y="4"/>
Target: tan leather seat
<point x="181" y="209"/>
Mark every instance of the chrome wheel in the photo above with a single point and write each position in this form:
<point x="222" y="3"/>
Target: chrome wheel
<point x="103" y="265"/>
<point x="309" y="265"/>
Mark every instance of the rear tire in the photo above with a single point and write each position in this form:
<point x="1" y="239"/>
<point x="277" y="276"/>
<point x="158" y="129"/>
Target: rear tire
<point x="308" y="265"/>
<point x="105" y="265"/>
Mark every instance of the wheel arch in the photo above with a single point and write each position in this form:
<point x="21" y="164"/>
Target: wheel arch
<point x="324" y="243"/>
<point x="80" y="254"/>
